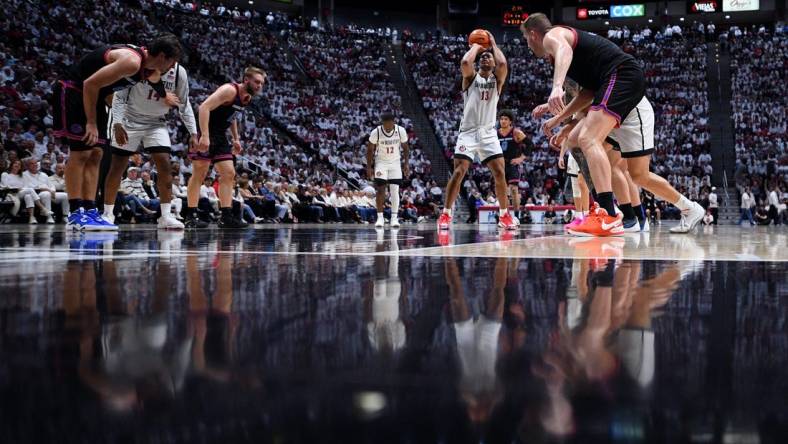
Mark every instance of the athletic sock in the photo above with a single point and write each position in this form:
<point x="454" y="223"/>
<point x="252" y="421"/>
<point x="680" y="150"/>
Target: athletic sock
<point x="88" y="204"/>
<point x="447" y="211"/>
<point x="501" y="212"/>
<point x="108" y="209"/>
<point x="380" y="216"/>
<point x="683" y="204"/>
<point x="166" y="209"/>
<point x="639" y="213"/>
<point x="189" y="211"/>
<point x="605" y="201"/>
<point x="627" y="211"/>
<point x="227" y="212"/>
<point x="74" y="205"/>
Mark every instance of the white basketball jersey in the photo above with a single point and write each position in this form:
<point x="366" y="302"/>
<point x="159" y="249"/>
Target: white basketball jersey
<point x="388" y="144"/>
<point x="142" y="107"/>
<point x="480" y="104"/>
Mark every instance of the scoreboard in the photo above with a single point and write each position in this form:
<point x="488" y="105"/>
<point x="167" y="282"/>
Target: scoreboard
<point x="513" y="15"/>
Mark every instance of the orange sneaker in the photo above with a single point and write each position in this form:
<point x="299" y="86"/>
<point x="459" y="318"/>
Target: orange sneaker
<point x="507" y="221"/>
<point x="444" y="222"/>
<point x="599" y="224"/>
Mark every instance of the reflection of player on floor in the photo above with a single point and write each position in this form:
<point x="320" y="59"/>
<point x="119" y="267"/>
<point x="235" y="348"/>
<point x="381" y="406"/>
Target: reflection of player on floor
<point x="477" y="340"/>
<point x="478" y="138"/>
<point x="511" y="140"/>
<point x="385" y="143"/>
<point x="614" y="85"/>
<point x="138" y="120"/>
<point x="217" y="114"/>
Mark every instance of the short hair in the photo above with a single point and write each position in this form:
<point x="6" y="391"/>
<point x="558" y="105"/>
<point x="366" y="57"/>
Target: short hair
<point x="506" y="113"/>
<point x="537" y="22"/>
<point x="387" y="117"/>
<point x="252" y="70"/>
<point x="167" y="44"/>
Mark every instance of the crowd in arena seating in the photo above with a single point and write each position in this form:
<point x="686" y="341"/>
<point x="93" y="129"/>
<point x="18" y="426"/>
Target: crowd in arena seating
<point x="326" y="90"/>
<point x="759" y="59"/>
<point x="334" y="140"/>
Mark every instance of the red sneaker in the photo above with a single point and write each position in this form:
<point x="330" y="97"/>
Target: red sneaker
<point x="599" y="224"/>
<point x="444" y="222"/>
<point x="507" y="221"/>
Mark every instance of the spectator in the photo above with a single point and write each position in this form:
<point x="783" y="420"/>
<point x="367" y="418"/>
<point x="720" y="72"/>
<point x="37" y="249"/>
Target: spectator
<point x="134" y="195"/>
<point x="747" y="202"/>
<point x="13" y="180"/>
<point x="40" y="183"/>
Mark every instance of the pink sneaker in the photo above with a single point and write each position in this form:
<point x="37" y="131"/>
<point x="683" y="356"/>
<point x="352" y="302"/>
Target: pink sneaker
<point x="575" y="223"/>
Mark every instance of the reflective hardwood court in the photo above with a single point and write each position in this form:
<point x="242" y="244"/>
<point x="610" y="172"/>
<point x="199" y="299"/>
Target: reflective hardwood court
<point x="340" y="333"/>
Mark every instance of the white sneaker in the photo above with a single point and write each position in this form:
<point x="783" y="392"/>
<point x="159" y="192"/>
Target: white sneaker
<point x="689" y="219"/>
<point x="394" y="222"/>
<point x="646" y="227"/>
<point x="33" y="220"/>
<point x="109" y="217"/>
<point x="169" y="222"/>
<point x="380" y="223"/>
<point x="50" y="220"/>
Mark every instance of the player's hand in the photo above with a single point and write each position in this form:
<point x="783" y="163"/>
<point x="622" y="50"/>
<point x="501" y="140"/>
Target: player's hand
<point x="370" y="174"/>
<point x="492" y="39"/>
<point x="204" y="143"/>
<point x="518" y="160"/>
<point x="121" y="137"/>
<point x="556" y="100"/>
<point x="91" y="134"/>
<point x="171" y="99"/>
<point x="237" y="147"/>
<point x="561" y="163"/>
<point x="540" y="111"/>
<point x="555" y="142"/>
<point x="193" y="142"/>
<point x="548" y="126"/>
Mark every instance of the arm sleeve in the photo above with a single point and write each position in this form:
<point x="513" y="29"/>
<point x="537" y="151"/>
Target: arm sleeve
<point x="185" y="109"/>
<point x="119" y="103"/>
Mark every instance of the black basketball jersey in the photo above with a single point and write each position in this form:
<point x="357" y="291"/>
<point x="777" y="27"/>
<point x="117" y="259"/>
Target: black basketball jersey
<point x="223" y="115"/>
<point x="511" y="149"/>
<point x="594" y="59"/>
<point x="97" y="59"/>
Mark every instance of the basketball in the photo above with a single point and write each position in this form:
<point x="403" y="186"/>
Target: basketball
<point x="479" y="36"/>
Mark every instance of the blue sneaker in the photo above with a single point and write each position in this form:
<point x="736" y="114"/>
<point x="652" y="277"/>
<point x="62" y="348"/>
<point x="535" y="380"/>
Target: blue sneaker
<point x="79" y="220"/>
<point x="103" y="223"/>
<point x="73" y="221"/>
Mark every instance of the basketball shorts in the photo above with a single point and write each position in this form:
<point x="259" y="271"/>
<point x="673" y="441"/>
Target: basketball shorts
<point x="475" y="146"/>
<point x="388" y="172"/>
<point x="621" y="91"/>
<point x="512" y="173"/>
<point x="152" y="139"/>
<point x="572" y="168"/>
<point x="635" y="135"/>
<point x="68" y="116"/>
<point x="220" y="149"/>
